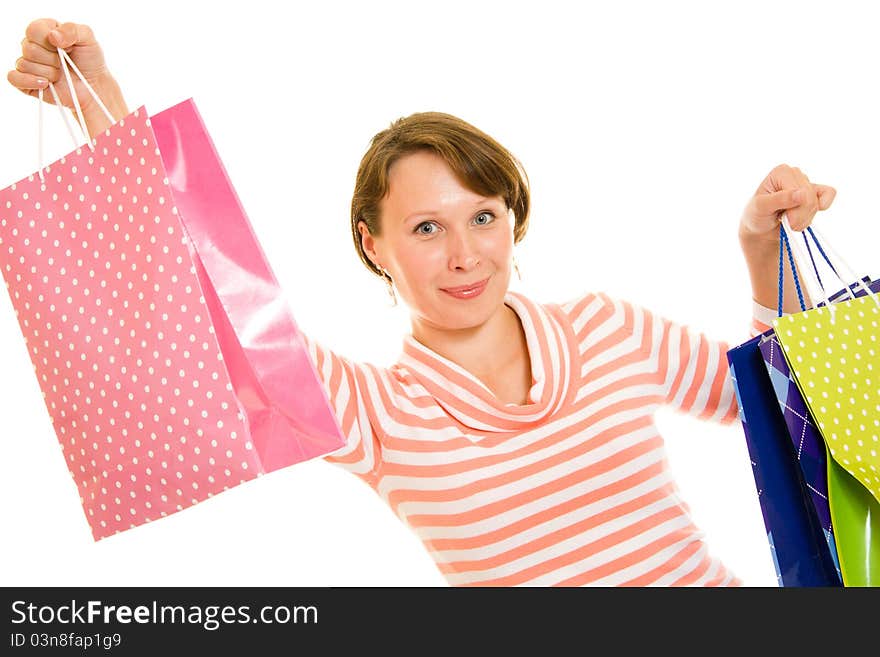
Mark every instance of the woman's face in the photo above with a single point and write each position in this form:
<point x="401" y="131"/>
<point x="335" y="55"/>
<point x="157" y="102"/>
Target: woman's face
<point x="437" y="235"/>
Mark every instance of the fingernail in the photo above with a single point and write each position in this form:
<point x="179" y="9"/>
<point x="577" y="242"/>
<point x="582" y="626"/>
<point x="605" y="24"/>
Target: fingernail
<point x="57" y="36"/>
<point x="41" y="82"/>
<point x="797" y="195"/>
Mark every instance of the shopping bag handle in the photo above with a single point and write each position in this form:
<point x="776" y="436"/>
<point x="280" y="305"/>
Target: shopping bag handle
<point x="785" y="242"/>
<point x="65" y="60"/>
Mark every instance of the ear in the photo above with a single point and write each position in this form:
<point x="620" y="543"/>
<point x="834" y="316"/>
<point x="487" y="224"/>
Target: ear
<point x="368" y="243"/>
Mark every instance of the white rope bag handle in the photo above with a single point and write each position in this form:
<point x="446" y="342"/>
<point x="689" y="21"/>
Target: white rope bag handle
<point x="65" y="59"/>
<point x="803" y="260"/>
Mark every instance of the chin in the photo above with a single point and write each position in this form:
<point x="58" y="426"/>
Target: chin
<point x="468" y="313"/>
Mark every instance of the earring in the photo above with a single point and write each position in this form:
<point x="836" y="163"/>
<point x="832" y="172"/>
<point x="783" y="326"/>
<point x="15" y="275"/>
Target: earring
<point x="390" y="285"/>
<point x="516" y="269"/>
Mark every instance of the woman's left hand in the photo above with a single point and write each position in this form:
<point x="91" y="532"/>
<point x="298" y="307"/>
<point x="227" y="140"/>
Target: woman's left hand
<point x="785" y="190"/>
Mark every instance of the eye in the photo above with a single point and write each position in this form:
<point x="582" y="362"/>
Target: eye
<point x="422" y="228"/>
<point x="487" y="216"/>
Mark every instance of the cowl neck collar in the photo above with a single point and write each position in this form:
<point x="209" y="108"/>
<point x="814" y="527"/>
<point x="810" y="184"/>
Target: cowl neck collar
<point x="471" y="402"/>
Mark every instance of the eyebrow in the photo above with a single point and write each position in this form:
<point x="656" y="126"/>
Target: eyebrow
<point x="430" y="213"/>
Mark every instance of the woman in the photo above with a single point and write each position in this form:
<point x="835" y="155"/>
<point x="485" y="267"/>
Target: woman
<point x="515" y="438"/>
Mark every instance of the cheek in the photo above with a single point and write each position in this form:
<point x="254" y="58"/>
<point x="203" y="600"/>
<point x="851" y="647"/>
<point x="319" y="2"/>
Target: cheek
<point x="420" y="258"/>
<point x="499" y="245"/>
<point x="418" y="265"/>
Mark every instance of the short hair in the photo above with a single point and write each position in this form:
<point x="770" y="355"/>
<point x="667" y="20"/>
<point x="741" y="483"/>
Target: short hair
<point x="479" y="162"/>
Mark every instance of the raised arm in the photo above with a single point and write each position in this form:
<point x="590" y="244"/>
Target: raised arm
<point x="696" y="372"/>
<point x="784" y="190"/>
<point x="39" y="65"/>
<point x="346" y="384"/>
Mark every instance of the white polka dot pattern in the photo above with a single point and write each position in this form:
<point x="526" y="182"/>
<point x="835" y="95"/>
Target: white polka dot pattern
<point x="835" y="355"/>
<point x="101" y="278"/>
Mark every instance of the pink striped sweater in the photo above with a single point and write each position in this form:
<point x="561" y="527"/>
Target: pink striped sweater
<point x="572" y="488"/>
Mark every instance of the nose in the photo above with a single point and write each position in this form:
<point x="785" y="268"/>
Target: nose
<point x="463" y="252"/>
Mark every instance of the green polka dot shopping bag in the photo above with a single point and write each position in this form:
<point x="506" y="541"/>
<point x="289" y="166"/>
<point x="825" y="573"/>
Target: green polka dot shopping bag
<point x="833" y="351"/>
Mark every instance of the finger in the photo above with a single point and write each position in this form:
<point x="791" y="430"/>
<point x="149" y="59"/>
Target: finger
<point x="781" y="177"/>
<point x="40" y="71"/>
<point x="25" y="81"/>
<point x="803" y="215"/>
<point x="826" y="196"/>
<point x="776" y="202"/>
<point x="36" y="53"/>
<point x="68" y="35"/>
<point x="38" y="32"/>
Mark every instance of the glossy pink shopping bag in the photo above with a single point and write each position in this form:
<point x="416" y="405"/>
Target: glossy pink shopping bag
<point x="170" y="365"/>
<point x="289" y="417"/>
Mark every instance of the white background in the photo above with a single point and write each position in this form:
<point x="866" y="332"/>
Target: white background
<point x="644" y="128"/>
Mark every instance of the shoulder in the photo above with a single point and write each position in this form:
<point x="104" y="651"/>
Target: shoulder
<point x="592" y="304"/>
<point x="587" y="308"/>
<point x="567" y="306"/>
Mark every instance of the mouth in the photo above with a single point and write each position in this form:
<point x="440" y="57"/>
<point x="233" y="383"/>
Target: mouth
<point x="467" y="291"/>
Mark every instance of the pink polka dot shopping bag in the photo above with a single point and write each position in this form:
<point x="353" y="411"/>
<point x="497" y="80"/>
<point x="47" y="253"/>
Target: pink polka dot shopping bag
<point x="169" y="362"/>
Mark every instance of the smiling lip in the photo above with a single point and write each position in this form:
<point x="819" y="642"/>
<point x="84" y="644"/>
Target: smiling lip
<point x="466" y="291"/>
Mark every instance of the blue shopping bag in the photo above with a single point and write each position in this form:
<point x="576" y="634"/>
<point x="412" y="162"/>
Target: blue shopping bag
<point x="797" y="542"/>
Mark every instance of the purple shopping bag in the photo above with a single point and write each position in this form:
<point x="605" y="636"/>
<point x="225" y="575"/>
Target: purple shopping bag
<point x="809" y="448"/>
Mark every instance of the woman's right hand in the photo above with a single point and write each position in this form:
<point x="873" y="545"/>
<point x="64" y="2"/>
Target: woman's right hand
<point x="39" y="65"/>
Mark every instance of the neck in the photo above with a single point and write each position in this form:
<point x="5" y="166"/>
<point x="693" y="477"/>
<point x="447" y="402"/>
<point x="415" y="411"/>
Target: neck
<point x="482" y="350"/>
